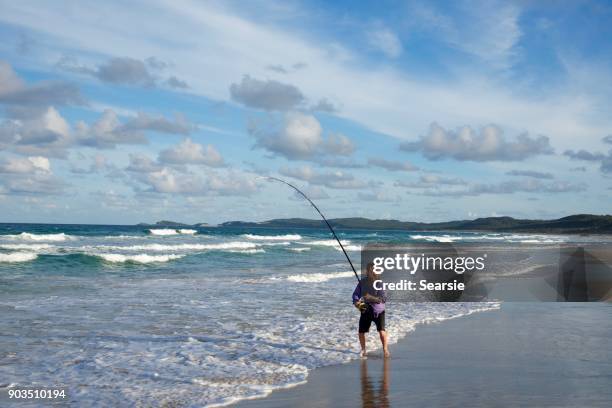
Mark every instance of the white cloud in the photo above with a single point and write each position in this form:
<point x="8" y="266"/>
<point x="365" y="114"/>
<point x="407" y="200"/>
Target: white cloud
<point x="267" y="95"/>
<point x="36" y="132"/>
<point x="392" y="165"/>
<point x="107" y="132"/>
<point x="26" y="165"/>
<point x="385" y="41"/>
<point x="487" y="144"/>
<point x="300" y="136"/>
<point x="14" y="91"/>
<point x="189" y="152"/>
<point x="377" y="96"/>
<point x="336" y="179"/>
<point x="488" y="30"/>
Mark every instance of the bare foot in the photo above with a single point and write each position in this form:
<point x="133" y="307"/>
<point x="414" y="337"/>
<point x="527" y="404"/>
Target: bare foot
<point x="363" y="354"/>
<point x="387" y="354"/>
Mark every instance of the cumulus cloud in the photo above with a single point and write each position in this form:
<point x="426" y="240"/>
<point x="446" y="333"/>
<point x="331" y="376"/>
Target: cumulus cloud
<point x="43" y="184"/>
<point x="26" y="165"/>
<point x="29" y="175"/>
<point x="168" y="180"/>
<point x="300" y="136"/>
<point x="98" y="164"/>
<point x="157" y="123"/>
<point x="467" y="144"/>
<point x="385" y="41"/>
<point x="379" y="196"/>
<point x="140" y="163"/>
<point x="431" y="181"/>
<point x="325" y="105"/>
<point x="607" y="139"/>
<point x="174" y="82"/>
<point x="124" y="71"/>
<point x="107" y="132"/>
<point x="160" y="178"/>
<point x="584" y="155"/>
<point x="338" y="144"/>
<point x="189" y="152"/>
<point x="530" y="173"/>
<point x="392" y="165"/>
<point x="510" y="187"/>
<point x="335" y="179"/>
<point x="314" y="193"/>
<point x="36" y="132"/>
<point x="605" y="161"/>
<point x="14" y="91"/>
<point x="267" y="95"/>
<point x="606" y="164"/>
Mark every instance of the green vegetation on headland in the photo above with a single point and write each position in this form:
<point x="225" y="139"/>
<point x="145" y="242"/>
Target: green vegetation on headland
<point x="573" y="224"/>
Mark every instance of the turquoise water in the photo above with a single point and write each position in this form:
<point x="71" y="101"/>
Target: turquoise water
<point x="124" y="315"/>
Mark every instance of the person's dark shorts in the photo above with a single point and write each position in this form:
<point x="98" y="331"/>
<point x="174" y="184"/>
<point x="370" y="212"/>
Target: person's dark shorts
<point x="366" y="319"/>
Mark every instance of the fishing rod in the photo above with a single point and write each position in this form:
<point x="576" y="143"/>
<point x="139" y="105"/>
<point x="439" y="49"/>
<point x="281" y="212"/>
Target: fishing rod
<point x="322" y="216"/>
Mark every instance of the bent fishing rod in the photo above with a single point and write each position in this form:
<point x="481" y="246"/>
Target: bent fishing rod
<point x="322" y="216"/>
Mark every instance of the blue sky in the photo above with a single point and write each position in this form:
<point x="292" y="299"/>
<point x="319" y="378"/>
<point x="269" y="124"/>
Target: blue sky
<point x="429" y="111"/>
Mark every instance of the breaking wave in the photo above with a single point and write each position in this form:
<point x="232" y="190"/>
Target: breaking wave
<point x="299" y="249"/>
<point x="318" y="277"/>
<point x="27" y="247"/>
<point x="140" y="258"/>
<point x="27" y="236"/>
<point x="172" y="231"/>
<point x="15" y="257"/>
<point x="436" y="238"/>
<point x="333" y="243"/>
<point x="290" y="237"/>
<point x="179" y="247"/>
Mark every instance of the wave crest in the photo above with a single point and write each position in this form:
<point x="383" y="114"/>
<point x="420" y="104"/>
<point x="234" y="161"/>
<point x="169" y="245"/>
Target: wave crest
<point x="27" y="236"/>
<point x="287" y="237"/>
<point x="140" y="258"/>
<point x="15" y="257"/>
<point x="318" y="277"/>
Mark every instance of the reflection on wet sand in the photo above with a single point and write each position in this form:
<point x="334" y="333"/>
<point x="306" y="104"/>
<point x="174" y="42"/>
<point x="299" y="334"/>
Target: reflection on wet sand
<point x="375" y="394"/>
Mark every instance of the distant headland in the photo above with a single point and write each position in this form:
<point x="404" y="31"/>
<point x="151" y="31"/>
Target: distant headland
<point x="573" y="224"/>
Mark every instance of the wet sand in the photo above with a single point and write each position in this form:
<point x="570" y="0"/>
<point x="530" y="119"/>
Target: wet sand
<point x="525" y="354"/>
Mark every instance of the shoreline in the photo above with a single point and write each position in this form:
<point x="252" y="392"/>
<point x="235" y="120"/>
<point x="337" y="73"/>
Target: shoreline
<point x="527" y="354"/>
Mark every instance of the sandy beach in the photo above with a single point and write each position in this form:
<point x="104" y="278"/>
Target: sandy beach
<point x="525" y="354"/>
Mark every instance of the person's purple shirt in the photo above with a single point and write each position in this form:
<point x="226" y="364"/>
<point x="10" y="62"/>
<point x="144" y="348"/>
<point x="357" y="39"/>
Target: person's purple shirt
<point x="359" y="292"/>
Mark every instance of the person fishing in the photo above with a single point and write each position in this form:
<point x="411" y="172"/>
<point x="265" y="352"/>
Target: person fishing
<point x="369" y="301"/>
<point x="371" y="304"/>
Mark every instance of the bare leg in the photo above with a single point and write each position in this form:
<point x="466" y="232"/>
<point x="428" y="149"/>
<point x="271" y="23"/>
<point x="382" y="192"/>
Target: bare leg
<point x="362" y="342"/>
<point x="383" y="341"/>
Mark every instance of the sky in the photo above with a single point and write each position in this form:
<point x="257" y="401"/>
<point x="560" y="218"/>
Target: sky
<point x="125" y="112"/>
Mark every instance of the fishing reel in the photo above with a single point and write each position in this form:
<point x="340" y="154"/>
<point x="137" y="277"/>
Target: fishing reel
<point x="361" y="305"/>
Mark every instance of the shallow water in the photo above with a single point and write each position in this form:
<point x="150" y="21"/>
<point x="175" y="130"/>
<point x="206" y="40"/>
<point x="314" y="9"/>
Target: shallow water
<point x="125" y="315"/>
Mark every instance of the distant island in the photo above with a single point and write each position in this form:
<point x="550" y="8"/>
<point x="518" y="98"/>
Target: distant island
<point x="573" y="224"/>
<point x="164" y="223"/>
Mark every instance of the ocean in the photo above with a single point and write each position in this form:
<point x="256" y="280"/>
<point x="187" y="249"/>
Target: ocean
<point x="132" y="315"/>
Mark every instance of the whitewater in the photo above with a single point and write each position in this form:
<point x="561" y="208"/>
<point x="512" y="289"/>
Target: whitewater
<point x="126" y="315"/>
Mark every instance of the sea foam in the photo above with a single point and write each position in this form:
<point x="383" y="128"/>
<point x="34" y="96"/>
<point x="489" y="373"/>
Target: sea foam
<point x="15" y="257"/>
<point x="287" y="237"/>
<point x="318" y="277"/>
<point x="232" y="245"/>
<point x="140" y="258"/>
<point x="26" y="236"/>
